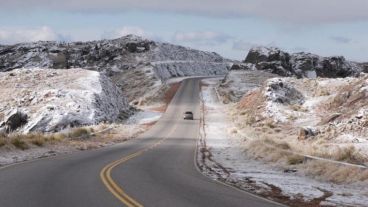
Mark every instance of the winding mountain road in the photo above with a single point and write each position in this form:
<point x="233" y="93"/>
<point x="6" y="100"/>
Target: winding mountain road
<point x="155" y="169"/>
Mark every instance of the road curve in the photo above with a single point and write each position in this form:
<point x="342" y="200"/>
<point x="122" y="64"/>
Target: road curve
<point x="156" y="169"/>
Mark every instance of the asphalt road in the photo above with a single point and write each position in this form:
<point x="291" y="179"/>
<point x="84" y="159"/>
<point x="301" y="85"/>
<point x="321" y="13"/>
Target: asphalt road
<point x="156" y="169"/>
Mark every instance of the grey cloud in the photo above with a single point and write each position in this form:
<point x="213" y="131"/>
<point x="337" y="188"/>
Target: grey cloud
<point x="17" y="35"/>
<point x="241" y="45"/>
<point x="201" y="37"/>
<point x="295" y="11"/>
<point x="343" y="40"/>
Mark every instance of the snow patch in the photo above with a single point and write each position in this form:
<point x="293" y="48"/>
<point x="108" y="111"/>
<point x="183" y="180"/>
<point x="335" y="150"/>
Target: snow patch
<point x="56" y="99"/>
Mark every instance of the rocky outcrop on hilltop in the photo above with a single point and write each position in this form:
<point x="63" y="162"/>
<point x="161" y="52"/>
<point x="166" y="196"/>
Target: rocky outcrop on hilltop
<point x="301" y="64"/>
<point x="49" y="100"/>
<point x="365" y="67"/>
<point x="112" y="56"/>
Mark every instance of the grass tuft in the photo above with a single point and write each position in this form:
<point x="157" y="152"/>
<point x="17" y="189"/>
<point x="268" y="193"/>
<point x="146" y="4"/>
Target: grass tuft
<point x="80" y="133"/>
<point x="295" y="159"/>
<point x="40" y="141"/>
<point x="2" y="142"/>
<point x="19" y="143"/>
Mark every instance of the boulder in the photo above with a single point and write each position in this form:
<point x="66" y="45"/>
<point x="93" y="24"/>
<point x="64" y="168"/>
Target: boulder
<point x="272" y="59"/>
<point x="14" y="120"/>
<point x="279" y="91"/>
<point x="137" y="47"/>
<point x="243" y="66"/>
<point x="307" y="132"/>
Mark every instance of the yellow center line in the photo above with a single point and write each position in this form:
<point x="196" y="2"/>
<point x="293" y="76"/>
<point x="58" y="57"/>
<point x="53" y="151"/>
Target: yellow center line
<point x="113" y="187"/>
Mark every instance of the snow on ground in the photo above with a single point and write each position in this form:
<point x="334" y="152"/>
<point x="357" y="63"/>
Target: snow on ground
<point x="56" y="99"/>
<point x="144" y="117"/>
<point x="230" y="163"/>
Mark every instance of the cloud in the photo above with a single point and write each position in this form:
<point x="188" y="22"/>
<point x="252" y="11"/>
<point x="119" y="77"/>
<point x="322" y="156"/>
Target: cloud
<point x="241" y="45"/>
<point x="127" y="30"/>
<point x="299" y="49"/>
<point x="296" y="11"/>
<point x="17" y="35"/>
<point x="342" y="40"/>
<point x="201" y="37"/>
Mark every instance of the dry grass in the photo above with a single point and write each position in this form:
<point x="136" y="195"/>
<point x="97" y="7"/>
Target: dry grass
<point x="335" y="173"/>
<point x="271" y="124"/>
<point x="24" y="141"/>
<point x="298" y="107"/>
<point x="2" y="141"/>
<point x="295" y="159"/>
<point x="273" y="151"/>
<point x="345" y="154"/>
<point x="80" y="133"/>
<point x="268" y="150"/>
<point x="40" y="141"/>
<point x="19" y="143"/>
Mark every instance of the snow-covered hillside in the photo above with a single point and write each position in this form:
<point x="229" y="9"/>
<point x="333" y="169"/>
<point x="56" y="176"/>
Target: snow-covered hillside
<point x="111" y="56"/>
<point x="234" y="154"/>
<point x="49" y="99"/>
<point x="301" y="64"/>
<point x="310" y="111"/>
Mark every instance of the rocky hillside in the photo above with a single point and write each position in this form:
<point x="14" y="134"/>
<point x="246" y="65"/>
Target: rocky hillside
<point x="111" y="56"/>
<point x="298" y="64"/>
<point x="138" y="66"/>
<point x="329" y="111"/>
<point x="49" y="100"/>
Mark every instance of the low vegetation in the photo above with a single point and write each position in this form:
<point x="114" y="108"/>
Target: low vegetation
<point x="2" y="140"/>
<point x="280" y="152"/>
<point x="80" y="133"/>
<point x="335" y="173"/>
<point x="19" y="143"/>
<point x="25" y="141"/>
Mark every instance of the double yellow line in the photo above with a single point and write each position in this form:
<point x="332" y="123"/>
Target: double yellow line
<point x="113" y="187"/>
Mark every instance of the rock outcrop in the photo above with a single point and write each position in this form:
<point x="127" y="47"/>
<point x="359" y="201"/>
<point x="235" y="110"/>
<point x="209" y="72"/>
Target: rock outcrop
<point x="279" y="91"/>
<point x="301" y="64"/>
<point x="365" y="67"/>
<point x="13" y="120"/>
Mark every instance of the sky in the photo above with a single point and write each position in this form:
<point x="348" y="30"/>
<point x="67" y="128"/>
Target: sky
<point x="228" y="27"/>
